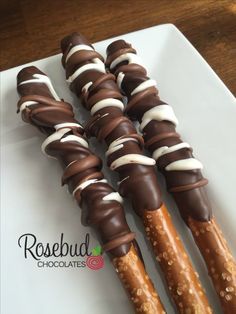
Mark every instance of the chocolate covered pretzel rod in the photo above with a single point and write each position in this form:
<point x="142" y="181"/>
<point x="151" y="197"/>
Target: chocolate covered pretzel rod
<point x="85" y="71"/>
<point x="175" y="160"/>
<point x="40" y="106"/>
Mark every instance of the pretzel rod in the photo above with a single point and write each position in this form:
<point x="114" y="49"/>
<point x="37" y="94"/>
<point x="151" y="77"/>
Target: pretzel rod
<point x="175" y="160"/>
<point x="85" y="71"/>
<point x="40" y="106"/>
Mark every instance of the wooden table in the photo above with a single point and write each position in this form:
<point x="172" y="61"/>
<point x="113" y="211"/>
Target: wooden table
<point x="32" y="30"/>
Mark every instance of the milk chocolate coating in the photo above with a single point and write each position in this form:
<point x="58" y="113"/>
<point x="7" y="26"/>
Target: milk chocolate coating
<point x="107" y="217"/>
<point x="187" y="187"/>
<point x="109" y="124"/>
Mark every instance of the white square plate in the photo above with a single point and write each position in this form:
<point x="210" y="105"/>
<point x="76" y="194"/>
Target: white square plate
<point x="34" y="202"/>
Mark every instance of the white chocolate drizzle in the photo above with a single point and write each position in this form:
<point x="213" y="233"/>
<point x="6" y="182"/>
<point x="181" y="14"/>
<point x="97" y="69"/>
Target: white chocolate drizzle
<point x="129" y="57"/>
<point x="67" y="125"/>
<point x="118" y="144"/>
<point x="119" y="79"/>
<point x="75" y="138"/>
<point x="132" y="159"/>
<point x="144" y="85"/>
<point x="86" y="183"/>
<point x="178" y="165"/>
<point x="184" y="164"/>
<point x="96" y="64"/>
<point x="91" y="66"/>
<point x="58" y="136"/>
<point x="108" y="102"/>
<point x="166" y="150"/>
<point x="86" y="87"/>
<point x="43" y="79"/>
<point x="159" y="113"/>
<point x="120" y="182"/>
<point x="113" y="196"/>
<point x="27" y="104"/>
<point x="128" y="158"/>
<point x="77" y="48"/>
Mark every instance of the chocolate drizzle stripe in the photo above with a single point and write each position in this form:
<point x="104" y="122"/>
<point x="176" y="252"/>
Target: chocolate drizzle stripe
<point x="118" y="53"/>
<point x="85" y="68"/>
<point x="95" y="175"/>
<point x="122" y="239"/>
<point x="83" y="185"/>
<point x="43" y="100"/>
<point x="77" y="48"/>
<point x="188" y="187"/>
<point x="44" y="109"/>
<point x="134" y="136"/>
<point x="82" y="56"/>
<point x="160" y="137"/>
<point x="102" y="94"/>
<point x="100" y="80"/>
<point x="132" y="67"/>
<point x="137" y="97"/>
<point x="105" y="130"/>
<point x="79" y="166"/>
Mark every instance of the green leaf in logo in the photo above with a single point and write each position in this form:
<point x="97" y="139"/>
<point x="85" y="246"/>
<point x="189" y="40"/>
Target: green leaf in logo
<point x="97" y="250"/>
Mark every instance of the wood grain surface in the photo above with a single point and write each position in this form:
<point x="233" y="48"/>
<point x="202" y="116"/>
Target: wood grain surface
<point x="32" y="30"/>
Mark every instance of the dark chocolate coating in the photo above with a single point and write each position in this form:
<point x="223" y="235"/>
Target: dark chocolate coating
<point x="187" y="187"/>
<point x="109" y="124"/>
<point x="107" y="217"/>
